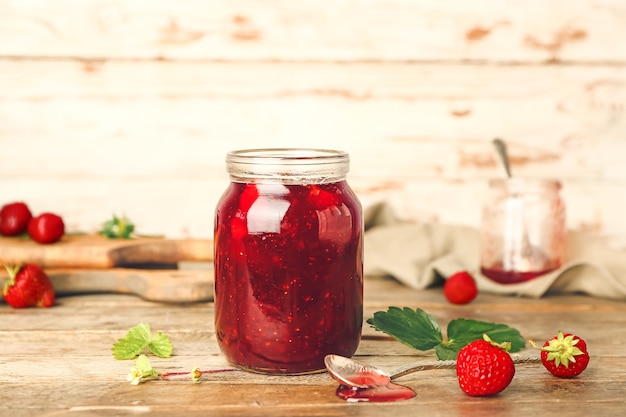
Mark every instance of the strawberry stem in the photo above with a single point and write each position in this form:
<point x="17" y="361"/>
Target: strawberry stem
<point x="506" y="346"/>
<point x="169" y="376"/>
<point x="12" y="270"/>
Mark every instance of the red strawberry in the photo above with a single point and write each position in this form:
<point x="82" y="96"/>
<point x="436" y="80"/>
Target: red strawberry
<point x="460" y="288"/>
<point x="565" y="355"/>
<point x="484" y="368"/>
<point x="248" y="197"/>
<point x="46" y="228"/>
<point x="28" y="286"/>
<point x="322" y="197"/>
<point x="14" y="218"/>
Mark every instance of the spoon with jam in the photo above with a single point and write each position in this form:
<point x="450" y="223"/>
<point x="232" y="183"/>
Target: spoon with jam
<point x="363" y="382"/>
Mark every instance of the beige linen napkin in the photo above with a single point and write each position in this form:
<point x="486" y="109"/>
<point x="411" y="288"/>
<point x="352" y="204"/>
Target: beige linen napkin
<point x="411" y="253"/>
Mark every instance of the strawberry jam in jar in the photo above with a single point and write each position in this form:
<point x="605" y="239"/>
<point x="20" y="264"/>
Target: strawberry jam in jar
<point x="288" y="261"/>
<point x="523" y="232"/>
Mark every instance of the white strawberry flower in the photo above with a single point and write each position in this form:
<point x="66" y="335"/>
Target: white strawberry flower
<point x="134" y="376"/>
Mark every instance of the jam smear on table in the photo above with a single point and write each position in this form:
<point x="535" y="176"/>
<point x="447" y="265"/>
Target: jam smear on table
<point x="288" y="275"/>
<point x="381" y="393"/>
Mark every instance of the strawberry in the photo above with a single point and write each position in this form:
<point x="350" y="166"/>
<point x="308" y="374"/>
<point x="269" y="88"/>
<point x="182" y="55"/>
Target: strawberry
<point x="46" y="228"/>
<point x="248" y="196"/>
<point x="484" y="368"/>
<point x="564" y="355"/>
<point x="460" y="288"/>
<point x="28" y="286"/>
<point x="14" y="218"/>
<point x="321" y="196"/>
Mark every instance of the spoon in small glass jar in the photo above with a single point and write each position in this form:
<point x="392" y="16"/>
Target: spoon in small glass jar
<point x="523" y="255"/>
<point x="504" y="156"/>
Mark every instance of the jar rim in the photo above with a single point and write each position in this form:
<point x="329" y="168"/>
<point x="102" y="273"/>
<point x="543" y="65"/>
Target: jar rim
<point x="298" y="156"/>
<point x="287" y="165"/>
<point x="520" y="182"/>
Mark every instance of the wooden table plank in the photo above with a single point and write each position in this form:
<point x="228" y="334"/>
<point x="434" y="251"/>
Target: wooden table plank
<point x="58" y="361"/>
<point x="534" y="30"/>
<point x="531" y="391"/>
<point x="435" y="120"/>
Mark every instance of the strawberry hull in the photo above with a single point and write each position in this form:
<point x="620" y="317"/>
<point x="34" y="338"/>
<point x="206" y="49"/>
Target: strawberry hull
<point x="565" y="355"/>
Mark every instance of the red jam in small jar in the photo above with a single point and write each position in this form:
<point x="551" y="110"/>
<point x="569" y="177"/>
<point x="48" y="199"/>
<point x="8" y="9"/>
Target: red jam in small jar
<point x="523" y="230"/>
<point x="288" y="261"/>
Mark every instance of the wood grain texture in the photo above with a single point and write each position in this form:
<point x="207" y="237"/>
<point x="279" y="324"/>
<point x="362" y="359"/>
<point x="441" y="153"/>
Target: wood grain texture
<point x="432" y="125"/>
<point x="94" y="251"/>
<point x="167" y="285"/>
<point x="68" y="368"/>
<point x="423" y="30"/>
<point x="129" y="107"/>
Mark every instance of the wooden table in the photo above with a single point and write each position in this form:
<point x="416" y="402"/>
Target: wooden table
<point x="58" y="362"/>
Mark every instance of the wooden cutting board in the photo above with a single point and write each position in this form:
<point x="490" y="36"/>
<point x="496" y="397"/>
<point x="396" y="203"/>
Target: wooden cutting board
<point x="173" y="286"/>
<point x="94" y="251"/>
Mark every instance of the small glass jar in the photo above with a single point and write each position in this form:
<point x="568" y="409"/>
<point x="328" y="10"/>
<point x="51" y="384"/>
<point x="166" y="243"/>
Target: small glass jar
<point x="523" y="229"/>
<point x="288" y="261"/>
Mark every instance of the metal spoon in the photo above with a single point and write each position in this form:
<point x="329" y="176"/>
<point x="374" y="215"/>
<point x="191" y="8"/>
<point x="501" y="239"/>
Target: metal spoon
<point x="524" y="257"/>
<point x="504" y="156"/>
<point x="355" y="374"/>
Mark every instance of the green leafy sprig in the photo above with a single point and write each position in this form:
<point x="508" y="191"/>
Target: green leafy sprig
<point x="117" y="228"/>
<point x="139" y="338"/>
<point x="143" y="371"/>
<point x="420" y="330"/>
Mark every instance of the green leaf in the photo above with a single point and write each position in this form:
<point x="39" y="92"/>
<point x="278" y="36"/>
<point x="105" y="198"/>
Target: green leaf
<point x="414" y="328"/>
<point x="143" y="364"/>
<point x="117" y="228"/>
<point x="161" y="345"/>
<point x="446" y="352"/>
<point x="133" y="342"/>
<point x="419" y="330"/>
<point x="463" y="331"/>
<point x="137" y="339"/>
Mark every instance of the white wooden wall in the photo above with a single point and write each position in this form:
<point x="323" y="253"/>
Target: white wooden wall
<point x="111" y="106"/>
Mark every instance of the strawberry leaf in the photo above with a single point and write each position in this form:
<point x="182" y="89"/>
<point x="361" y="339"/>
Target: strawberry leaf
<point x="143" y="365"/>
<point x="414" y="328"/>
<point x="133" y="342"/>
<point x="446" y="352"/>
<point x="137" y="339"/>
<point x="463" y="331"/>
<point x="419" y="330"/>
<point x="161" y="345"/>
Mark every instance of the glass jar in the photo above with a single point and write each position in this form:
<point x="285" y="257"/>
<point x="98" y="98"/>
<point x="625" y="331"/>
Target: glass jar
<point x="288" y="261"/>
<point x="523" y="229"/>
